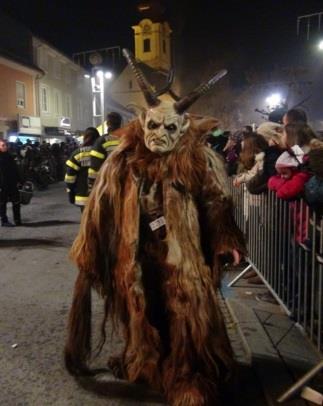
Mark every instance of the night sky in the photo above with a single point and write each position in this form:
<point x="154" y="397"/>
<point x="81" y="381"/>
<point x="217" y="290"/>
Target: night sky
<point x="253" y="33"/>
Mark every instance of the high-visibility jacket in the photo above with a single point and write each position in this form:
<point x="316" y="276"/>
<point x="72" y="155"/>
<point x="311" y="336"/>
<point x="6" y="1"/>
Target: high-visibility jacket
<point x="76" y="174"/>
<point x="101" y="149"/>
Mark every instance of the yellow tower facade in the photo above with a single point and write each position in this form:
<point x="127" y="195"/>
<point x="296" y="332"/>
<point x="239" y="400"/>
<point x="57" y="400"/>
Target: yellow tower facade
<point x="153" y="43"/>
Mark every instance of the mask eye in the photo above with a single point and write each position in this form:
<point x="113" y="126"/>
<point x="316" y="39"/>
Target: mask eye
<point x="152" y="125"/>
<point x="172" y="128"/>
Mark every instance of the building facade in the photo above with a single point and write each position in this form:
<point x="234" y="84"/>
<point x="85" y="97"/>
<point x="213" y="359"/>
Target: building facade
<point x="18" y="80"/>
<point x="152" y="42"/>
<point x="64" y="93"/>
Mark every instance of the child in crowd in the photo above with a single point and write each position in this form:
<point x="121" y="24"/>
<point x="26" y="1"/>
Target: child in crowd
<point x="290" y="180"/>
<point x="289" y="185"/>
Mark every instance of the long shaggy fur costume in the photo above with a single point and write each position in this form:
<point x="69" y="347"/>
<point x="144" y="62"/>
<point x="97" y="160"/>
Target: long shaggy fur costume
<point x="187" y="354"/>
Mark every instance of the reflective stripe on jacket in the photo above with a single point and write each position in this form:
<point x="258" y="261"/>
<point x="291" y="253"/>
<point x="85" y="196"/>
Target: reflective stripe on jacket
<point x="100" y="151"/>
<point x="76" y="174"/>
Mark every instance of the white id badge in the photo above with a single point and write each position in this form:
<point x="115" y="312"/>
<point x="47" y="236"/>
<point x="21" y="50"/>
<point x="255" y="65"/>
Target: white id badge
<point x="156" y="224"/>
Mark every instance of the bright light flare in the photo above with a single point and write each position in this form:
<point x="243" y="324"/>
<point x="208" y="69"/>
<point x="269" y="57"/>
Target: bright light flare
<point x="320" y="45"/>
<point x="108" y="75"/>
<point x="274" y="100"/>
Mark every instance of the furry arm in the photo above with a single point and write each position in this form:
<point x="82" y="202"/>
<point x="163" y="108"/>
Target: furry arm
<point x="217" y="207"/>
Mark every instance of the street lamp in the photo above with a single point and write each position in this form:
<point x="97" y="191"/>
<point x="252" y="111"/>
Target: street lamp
<point x="98" y="84"/>
<point x="320" y="45"/>
<point x="274" y="100"/>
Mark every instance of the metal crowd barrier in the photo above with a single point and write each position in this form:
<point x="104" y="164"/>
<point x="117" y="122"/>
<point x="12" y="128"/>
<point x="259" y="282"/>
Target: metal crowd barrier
<point x="285" y="245"/>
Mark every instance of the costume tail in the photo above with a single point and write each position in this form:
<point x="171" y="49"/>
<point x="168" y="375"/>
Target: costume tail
<point x="78" y="345"/>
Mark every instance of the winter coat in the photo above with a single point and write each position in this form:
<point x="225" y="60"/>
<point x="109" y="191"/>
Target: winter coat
<point x="257" y="168"/>
<point x="76" y="175"/>
<point x="314" y="187"/>
<point x="314" y="190"/>
<point x="258" y="183"/>
<point x="289" y="189"/>
<point x="9" y="175"/>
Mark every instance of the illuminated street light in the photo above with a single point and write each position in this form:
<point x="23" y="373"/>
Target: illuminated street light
<point x="87" y="76"/>
<point x="320" y="45"/>
<point x="99" y="75"/>
<point x="274" y="100"/>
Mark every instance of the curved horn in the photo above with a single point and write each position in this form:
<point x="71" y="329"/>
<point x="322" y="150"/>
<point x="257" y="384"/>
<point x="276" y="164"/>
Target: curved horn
<point x="150" y="96"/>
<point x="174" y="95"/>
<point x="188" y="100"/>
<point x="170" y="79"/>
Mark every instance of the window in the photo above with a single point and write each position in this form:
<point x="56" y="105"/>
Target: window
<point x="57" y="102"/>
<point x="147" y="45"/>
<point x="44" y="99"/>
<point x="20" y="95"/>
<point x="68" y="103"/>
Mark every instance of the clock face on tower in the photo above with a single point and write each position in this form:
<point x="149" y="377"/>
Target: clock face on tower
<point x="95" y="59"/>
<point x="146" y="29"/>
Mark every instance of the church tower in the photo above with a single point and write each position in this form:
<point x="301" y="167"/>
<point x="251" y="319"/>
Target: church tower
<point x="153" y="43"/>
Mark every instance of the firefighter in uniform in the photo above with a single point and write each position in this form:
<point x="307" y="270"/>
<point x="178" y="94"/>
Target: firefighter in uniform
<point x="104" y="146"/>
<point x="77" y="169"/>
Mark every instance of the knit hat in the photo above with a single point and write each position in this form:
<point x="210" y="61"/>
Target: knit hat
<point x="290" y="159"/>
<point x="271" y="131"/>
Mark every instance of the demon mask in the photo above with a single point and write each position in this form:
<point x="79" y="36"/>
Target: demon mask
<point x="165" y="122"/>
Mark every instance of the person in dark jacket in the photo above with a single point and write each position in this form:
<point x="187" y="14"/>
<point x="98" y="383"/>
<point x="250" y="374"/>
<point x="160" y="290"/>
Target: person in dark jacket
<point x="104" y="146"/>
<point x="272" y="132"/>
<point x="314" y="187"/>
<point x="77" y="166"/>
<point x="9" y="180"/>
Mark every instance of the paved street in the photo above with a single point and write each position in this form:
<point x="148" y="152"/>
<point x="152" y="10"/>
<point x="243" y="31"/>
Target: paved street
<point x="36" y="281"/>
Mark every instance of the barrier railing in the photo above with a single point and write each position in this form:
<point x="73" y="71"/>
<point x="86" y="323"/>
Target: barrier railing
<point x="285" y="245"/>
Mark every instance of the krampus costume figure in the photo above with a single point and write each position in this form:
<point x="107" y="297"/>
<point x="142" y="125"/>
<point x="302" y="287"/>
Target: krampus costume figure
<point x="151" y="239"/>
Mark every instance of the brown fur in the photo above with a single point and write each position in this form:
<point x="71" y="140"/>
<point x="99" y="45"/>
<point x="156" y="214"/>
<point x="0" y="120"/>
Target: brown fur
<point x="200" y="227"/>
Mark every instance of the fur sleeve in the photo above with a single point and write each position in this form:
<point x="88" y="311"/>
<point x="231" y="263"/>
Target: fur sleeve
<point x="217" y="210"/>
<point x="86" y="251"/>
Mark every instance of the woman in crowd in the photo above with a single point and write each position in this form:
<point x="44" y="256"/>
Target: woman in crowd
<point x="272" y="133"/>
<point x="251" y="157"/>
<point x="295" y="116"/>
<point x="299" y="134"/>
